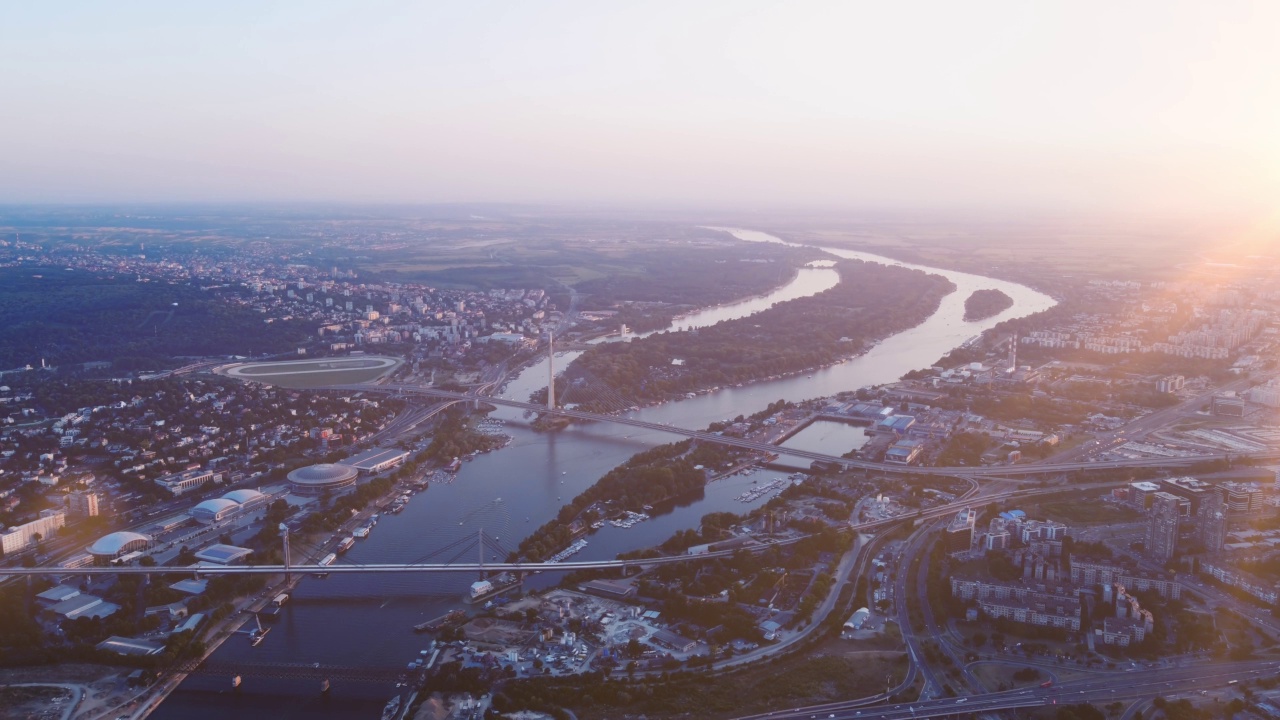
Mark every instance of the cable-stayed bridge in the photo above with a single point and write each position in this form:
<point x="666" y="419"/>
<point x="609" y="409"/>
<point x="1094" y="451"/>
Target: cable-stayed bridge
<point x="952" y="471"/>
<point x="454" y="565"/>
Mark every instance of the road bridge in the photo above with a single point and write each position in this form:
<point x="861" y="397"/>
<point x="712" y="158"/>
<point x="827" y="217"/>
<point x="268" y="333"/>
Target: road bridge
<point x="533" y="567"/>
<point x="847" y="463"/>
<point x="293" y="671"/>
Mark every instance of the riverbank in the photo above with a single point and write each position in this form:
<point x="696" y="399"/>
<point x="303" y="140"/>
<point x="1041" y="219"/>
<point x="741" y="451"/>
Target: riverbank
<point x="364" y="620"/>
<point x="871" y="302"/>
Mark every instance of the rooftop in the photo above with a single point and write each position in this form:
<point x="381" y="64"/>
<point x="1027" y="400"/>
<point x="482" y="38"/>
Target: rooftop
<point x="223" y="554"/>
<point x="369" y="459"/>
<point x="115" y="543"/>
<point x="322" y="474"/>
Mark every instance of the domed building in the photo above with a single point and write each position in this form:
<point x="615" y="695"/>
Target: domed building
<point x="316" y="479"/>
<point x="110" y="547"/>
<point x="215" y="510"/>
<point x="246" y="498"/>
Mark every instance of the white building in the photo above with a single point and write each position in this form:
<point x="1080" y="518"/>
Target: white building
<point x="187" y="481"/>
<point x="21" y="537"/>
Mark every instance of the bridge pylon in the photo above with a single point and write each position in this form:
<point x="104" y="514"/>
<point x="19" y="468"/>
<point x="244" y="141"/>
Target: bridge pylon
<point x="551" y="371"/>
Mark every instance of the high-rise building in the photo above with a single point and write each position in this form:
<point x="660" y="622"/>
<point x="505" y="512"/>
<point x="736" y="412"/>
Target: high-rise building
<point x="1242" y="498"/>
<point x="1162" y="528"/>
<point x="958" y="535"/>
<point x="1189" y="488"/>
<point x="84" y="504"/>
<point x="1211" y="523"/>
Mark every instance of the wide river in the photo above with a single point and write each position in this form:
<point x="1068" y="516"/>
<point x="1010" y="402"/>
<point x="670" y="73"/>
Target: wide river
<point x="366" y="620"/>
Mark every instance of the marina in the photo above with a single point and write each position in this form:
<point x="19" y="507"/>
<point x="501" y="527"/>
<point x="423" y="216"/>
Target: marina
<point x="759" y="491"/>
<point x="573" y="549"/>
<point x="629" y="519"/>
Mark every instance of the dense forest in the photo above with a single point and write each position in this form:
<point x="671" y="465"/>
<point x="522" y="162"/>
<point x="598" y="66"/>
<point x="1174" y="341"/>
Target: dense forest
<point x="70" y="316"/>
<point x="658" y="284"/>
<point x="871" y="302"/>
<point x="983" y="304"/>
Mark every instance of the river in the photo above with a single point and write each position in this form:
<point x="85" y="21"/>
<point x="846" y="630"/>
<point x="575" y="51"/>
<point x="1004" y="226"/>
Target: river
<point x="366" y="620"/>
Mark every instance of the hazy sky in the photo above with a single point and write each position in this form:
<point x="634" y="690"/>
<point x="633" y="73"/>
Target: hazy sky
<point x="1143" y="107"/>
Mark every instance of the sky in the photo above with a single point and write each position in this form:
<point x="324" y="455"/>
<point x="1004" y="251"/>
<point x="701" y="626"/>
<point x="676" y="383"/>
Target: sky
<point x="1167" y="109"/>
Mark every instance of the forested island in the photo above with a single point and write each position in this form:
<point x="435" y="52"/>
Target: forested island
<point x="651" y="476"/>
<point x="654" y="286"/>
<point x="983" y="304"/>
<point x="871" y="302"/>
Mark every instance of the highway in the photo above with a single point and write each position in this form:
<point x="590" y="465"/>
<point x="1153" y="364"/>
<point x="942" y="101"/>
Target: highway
<point x="1105" y="688"/>
<point x="950" y="471"/>
<point x="1141" y="427"/>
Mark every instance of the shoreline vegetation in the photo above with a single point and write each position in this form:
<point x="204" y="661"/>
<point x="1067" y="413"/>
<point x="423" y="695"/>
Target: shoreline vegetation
<point x="871" y="302"/>
<point x="983" y="304"/>
<point x="650" y="477"/>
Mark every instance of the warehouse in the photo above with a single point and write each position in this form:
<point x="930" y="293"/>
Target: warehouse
<point x="372" y="462"/>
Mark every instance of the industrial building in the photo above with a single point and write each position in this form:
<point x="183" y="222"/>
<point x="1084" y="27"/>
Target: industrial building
<point x="898" y="424"/>
<point x="1227" y="406"/>
<point x="668" y="639"/>
<point x="614" y="589"/>
<point x="904" y="452"/>
<point x="372" y="462"/>
<point x="130" y="646"/>
<point x="322" y="477"/>
<point x="224" y="554"/>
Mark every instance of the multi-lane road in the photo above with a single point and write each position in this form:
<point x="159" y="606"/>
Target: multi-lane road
<point x="956" y="471"/>
<point x="1111" y="687"/>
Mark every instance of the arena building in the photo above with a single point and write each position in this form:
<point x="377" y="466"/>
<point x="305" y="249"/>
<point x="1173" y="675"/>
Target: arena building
<point x="214" y="511"/>
<point x="248" y="499"/>
<point x="110" y="547"/>
<point x="316" y="479"/>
